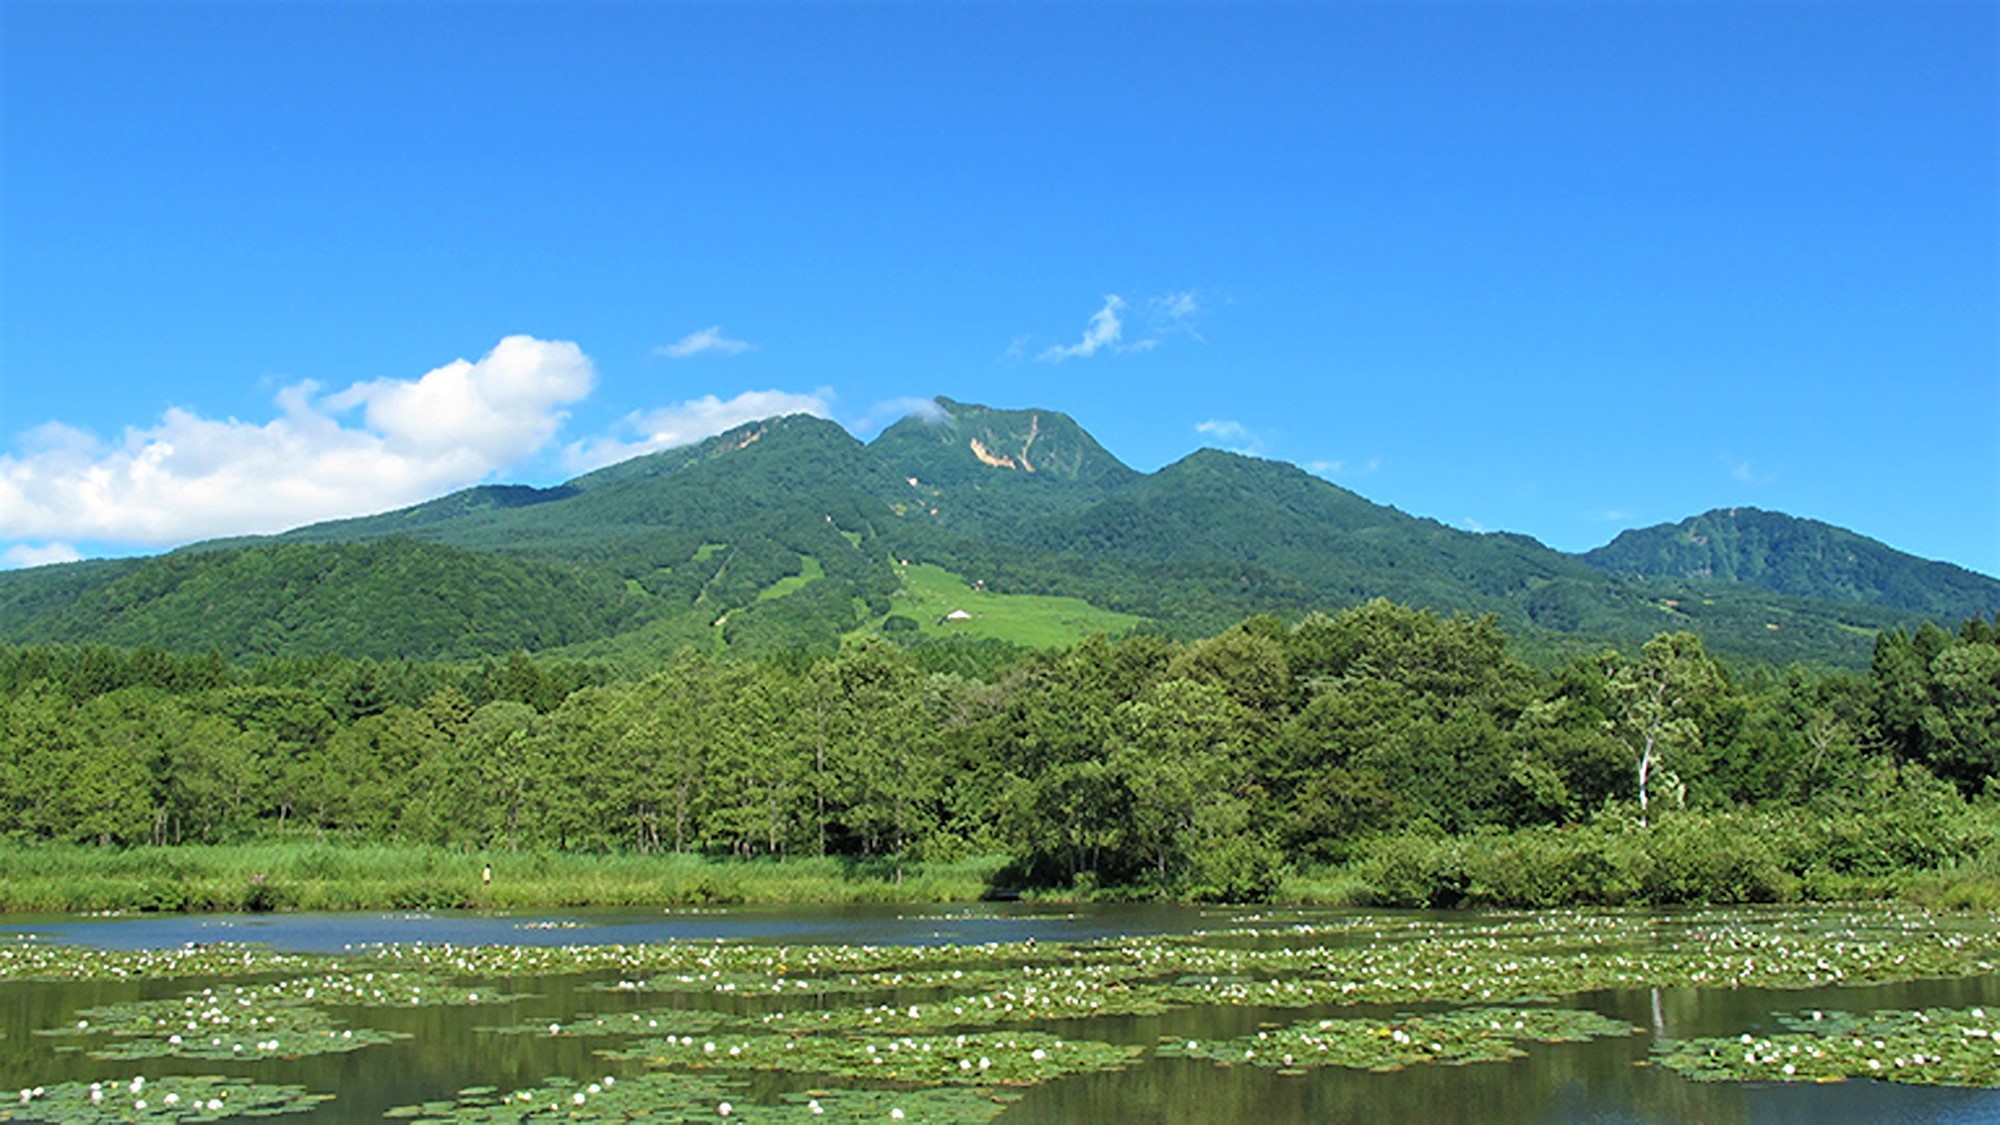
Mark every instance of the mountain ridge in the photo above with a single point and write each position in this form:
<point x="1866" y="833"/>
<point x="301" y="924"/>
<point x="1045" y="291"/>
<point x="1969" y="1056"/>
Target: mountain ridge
<point x="789" y="531"/>
<point x="1797" y="555"/>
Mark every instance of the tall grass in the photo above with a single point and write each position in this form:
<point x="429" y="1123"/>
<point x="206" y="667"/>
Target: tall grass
<point x="1787" y="855"/>
<point x="1727" y="857"/>
<point x="300" y="876"/>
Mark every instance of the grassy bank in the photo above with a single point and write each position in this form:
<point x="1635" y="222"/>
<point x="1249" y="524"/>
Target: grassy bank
<point x="1936" y="854"/>
<point x="250" y="877"/>
<point x="1935" y="859"/>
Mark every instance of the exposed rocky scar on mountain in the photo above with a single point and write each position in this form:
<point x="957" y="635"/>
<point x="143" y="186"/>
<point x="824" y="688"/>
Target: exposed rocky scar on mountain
<point x="1001" y="460"/>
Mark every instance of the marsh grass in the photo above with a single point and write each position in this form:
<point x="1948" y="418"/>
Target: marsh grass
<point x="1686" y="857"/>
<point x="51" y="879"/>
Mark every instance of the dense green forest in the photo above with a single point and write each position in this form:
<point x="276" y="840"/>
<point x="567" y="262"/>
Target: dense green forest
<point x="1416" y="752"/>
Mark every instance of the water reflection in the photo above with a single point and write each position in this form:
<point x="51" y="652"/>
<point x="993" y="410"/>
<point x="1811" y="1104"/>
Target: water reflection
<point x="1606" y="1080"/>
<point x="815" y="925"/>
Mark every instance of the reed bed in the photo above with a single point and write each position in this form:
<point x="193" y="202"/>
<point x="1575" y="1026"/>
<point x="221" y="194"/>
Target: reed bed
<point x="62" y="879"/>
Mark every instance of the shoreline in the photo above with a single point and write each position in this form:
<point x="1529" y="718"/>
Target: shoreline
<point x="74" y="880"/>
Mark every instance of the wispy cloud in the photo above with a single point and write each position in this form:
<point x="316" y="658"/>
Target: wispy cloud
<point x="1174" y="312"/>
<point x="685" y="423"/>
<point x="1231" y="435"/>
<point x="895" y="410"/>
<point x="1161" y="317"/>
<point x="705" y="340"/>
<point x="1106" y="329"/>
<point x="1475" y="525"/>
<point x="1745" y="472"/>
<point x="189" y="477"/>
<point x="1342" y="467"/>
<point x="30" y="554"/>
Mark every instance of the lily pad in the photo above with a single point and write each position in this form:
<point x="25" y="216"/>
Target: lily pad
<point x="170" y="1098"/>
<point x="1001" y="1059"/>
<point x="1931" y="1047"/>
<point x="662" y="1097"/>
<point x="208" y="1025"/>
<point x="1454" y="1038"/>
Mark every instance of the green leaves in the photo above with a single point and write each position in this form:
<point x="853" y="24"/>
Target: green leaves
<point x="658" y="1098"/>
<point x="172" y="1098"/>
<point x="986" y="1059"/>
<point x="1472" y="1035"/>
<point x="1931" y="1047"/>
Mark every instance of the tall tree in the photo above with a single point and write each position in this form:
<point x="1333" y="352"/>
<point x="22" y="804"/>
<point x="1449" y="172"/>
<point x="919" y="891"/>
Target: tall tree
<point x="1655" y="699"/>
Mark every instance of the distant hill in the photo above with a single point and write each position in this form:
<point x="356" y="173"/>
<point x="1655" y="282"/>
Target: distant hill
<point x="386" y="599"/>
<point x="790" y="533"/>
<point x="1806" y="558"/>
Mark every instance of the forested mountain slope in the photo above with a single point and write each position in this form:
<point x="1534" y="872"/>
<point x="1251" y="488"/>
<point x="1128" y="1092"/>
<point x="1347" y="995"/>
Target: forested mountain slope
<point x="393" y="598"/>
<point x="1798" y="556"/>
<point x="790" y="533"/>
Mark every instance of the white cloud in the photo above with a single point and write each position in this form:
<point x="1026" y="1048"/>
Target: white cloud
<point x="1178" y="306"/>
<point x="190" y="477"/>
<point x="500" y="409"/>
<point x="1105" y="330"/>
<point x="28" y="554"/>
<point x="1163" y="315"/>
<point x="1339" y="468"/>
<point x="708" y="339"/>
<point x="1174" y="312"/>
<point x="688" y="422"/>
<point x="1232" y="435"/>
<point x="1475" y="525"/>
<point x="895" y="410"/>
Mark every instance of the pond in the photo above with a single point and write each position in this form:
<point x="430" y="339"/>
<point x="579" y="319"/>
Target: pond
<point x="1006" y="1011"/>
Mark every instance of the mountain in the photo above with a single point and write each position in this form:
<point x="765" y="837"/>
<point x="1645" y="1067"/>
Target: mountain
<point x="985" y="470"/>
<point x="775" y="467"/>
<point x="383" y="599"/>
<point x="1806" y="558"/>
<point x="790" y="533"/>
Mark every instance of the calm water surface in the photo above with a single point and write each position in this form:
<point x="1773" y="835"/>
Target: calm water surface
<point x="1602" y="1081"/>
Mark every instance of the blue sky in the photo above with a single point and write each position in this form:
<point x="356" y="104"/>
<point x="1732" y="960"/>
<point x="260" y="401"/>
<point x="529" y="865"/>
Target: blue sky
<point x="1556" y="268"/>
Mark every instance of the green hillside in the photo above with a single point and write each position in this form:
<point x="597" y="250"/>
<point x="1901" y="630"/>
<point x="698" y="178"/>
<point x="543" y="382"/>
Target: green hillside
<point x="389" y="599"/>
<point x="931" y="595"/>
<point x="789" y="534"/>
<point x="1806" y="558"/>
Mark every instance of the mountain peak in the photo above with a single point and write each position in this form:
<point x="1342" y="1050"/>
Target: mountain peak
<point x="965" y="442"/>
<point x="784" y="429"/>
<point x="1798" y="556"/>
